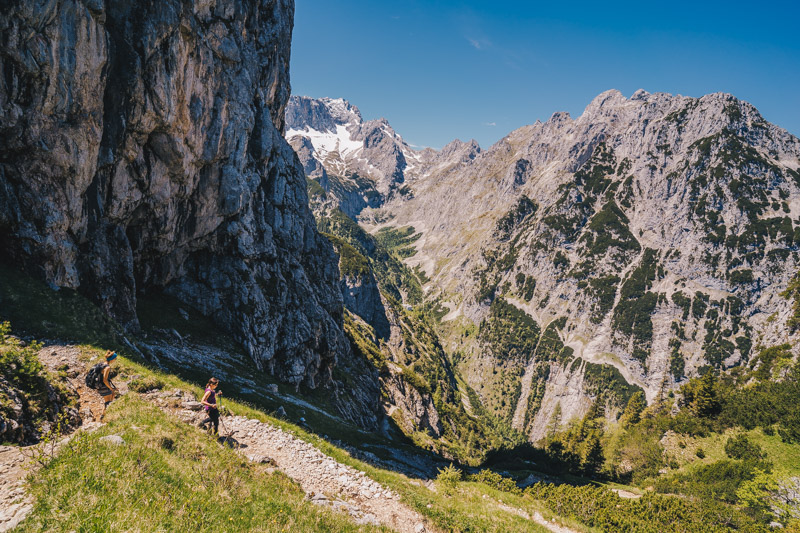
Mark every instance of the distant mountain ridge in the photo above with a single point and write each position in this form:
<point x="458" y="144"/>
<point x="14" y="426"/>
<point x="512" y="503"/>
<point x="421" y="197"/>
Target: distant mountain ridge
<point x="648" y="238"/>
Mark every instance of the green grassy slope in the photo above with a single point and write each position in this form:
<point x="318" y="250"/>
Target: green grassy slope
<point x="168" y="476"/>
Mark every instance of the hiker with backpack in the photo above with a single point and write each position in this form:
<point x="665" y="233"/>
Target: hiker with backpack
<point x="99" y="378"/>
<point x="209" y="402"/>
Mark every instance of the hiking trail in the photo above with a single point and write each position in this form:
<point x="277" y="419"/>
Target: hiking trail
<point x="326" y="481"/>
<point x="16" y="462"/>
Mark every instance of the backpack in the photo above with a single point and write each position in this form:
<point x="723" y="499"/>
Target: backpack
<point x="95" y="376"/>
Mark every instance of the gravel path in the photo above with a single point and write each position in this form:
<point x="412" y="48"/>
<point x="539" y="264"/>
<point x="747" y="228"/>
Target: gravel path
<point x="326" y="481"/>
<point x="15" y="504"/>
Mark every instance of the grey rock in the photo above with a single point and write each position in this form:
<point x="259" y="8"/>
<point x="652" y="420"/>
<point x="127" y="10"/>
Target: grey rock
<point x="262" y="459"/>
<point x="280" y="412"/>
<point x="362" y="297"/>
<point x="159" y="164"/>
<point x="192" y="406"/>
<point x="417" y="408"/>
<point x="116" y="440"/>
<point x="272" y="388"/>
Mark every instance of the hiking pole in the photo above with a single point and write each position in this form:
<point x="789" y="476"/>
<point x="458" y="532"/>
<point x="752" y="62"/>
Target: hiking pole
<point x="221" y="421"/>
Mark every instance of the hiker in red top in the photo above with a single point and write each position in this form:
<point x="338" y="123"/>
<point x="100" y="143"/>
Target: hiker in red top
<point x="209" y="402"/>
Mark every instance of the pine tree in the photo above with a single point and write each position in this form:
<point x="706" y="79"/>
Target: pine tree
<point x="633" y="411"/>
<point x="706" y="403"/>
<point x="593" y="459"/>
<point x="555" y="421"/>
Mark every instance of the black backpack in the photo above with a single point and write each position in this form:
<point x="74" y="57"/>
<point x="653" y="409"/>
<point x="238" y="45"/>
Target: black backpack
<point x="95" y="376"/>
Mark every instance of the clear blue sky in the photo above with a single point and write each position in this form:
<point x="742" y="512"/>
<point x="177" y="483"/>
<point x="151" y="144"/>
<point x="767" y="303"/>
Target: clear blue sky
<point x="440" y="70"/>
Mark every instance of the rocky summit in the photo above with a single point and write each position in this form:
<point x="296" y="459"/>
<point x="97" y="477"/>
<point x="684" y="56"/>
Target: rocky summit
<point x="142" y="151"/>
<point x="583" y="259"/>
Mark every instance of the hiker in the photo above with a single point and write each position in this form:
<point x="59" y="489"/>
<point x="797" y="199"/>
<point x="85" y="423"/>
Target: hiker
<point x="99" y="378"/>
<point x="209" y="402"/>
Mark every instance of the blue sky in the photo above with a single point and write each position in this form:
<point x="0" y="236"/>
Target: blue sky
<point x="440" y="70"/>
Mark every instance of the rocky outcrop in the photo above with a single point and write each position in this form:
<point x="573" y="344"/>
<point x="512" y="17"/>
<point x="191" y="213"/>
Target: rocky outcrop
<point x="29" y="410"/>
<point x="362" y="297"/>
<point x="142" y="148"/>
<point x="416" y="409"/>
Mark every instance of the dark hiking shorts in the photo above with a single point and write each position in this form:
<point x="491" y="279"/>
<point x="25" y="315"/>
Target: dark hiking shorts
<point x="104" y="391"/>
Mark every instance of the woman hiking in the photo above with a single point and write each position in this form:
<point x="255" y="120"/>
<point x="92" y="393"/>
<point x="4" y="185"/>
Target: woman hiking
<point x="107" y="389"/>
<point x="209" y="402"/>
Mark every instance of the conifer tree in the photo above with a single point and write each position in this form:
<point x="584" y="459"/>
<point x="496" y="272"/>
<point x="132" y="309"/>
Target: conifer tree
<point x="555" y="421"/>
<point x="593" y="458"/>
<point x="633" y="411"/>
<point x="706" y="403"/>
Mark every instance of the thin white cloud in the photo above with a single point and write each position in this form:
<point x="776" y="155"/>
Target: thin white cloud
<point x="490" y="124"/>
<point x="480" y="43"/>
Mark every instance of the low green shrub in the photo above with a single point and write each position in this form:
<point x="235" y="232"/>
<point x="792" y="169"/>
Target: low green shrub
<point x="449" y="476"/>
<point x="495" y="480"/>
<point x="740" y="447"/>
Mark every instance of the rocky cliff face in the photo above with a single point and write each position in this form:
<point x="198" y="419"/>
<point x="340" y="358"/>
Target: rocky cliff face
<point x="142" y="149"/>
<point x="633" y="246"/>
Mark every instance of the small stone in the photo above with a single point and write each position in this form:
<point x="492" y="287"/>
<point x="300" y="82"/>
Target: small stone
<point x="192" y="406"/>
<point x="113" y="439"/>
<point x="420" y="528"/>
<point x="272" y="389"/>
<point x="280" y="412"/>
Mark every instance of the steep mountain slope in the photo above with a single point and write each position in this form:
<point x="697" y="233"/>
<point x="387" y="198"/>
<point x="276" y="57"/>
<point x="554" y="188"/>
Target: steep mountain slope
<point x="630" y="247"/>
<point x="143" y="151"/>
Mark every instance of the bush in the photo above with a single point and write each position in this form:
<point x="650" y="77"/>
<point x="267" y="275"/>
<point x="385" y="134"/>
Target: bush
<point x="495" y="480"/>
<point x="29" y="395"/>
<point x="715" y="481"/>
<point x="700" y="453"/>
<point x="415" y="380"/>
<point x="740" y="447"/>
<point x="601" y="509"/>
<point x="449" y="476"/>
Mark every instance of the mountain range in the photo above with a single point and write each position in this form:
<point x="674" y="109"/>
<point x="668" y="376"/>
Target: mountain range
<point x="635" y="246"/>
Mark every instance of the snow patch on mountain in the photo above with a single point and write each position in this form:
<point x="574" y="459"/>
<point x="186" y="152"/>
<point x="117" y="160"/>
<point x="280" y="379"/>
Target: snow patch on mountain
<point x="326" y="142"/>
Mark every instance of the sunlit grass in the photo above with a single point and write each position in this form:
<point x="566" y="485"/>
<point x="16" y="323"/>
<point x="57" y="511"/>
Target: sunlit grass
<point x="168" y="476"/>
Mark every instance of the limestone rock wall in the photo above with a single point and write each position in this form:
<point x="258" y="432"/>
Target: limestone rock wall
<point x="142" y="148"/>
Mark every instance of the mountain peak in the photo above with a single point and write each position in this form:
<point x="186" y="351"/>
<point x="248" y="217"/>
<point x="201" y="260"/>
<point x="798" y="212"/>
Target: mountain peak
<point x="320" y="114"/>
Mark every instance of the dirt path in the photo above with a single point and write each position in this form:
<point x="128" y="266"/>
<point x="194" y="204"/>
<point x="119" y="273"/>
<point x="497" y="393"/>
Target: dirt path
<point x="326" y="481"/>
<point x="15" y="504"/>
<point x="16" y="462"/>
<point x="538" y="518"/>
